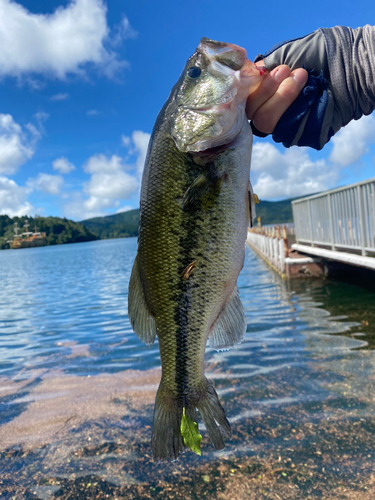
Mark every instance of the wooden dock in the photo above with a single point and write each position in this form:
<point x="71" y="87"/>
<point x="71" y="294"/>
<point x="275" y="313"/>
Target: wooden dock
<point x="273" y="244"/>
<point x="334" y="226"/>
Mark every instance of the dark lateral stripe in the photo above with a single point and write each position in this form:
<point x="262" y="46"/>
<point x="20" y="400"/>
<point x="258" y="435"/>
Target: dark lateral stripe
<point x="189" y="242"/>
<point x="182" y="320"/>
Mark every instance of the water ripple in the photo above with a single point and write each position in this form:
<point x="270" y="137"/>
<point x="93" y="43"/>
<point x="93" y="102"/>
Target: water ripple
<point x="64" y="325"/>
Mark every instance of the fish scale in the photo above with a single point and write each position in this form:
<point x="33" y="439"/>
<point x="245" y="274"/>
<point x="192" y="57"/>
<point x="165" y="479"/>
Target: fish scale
<point x="193" y="221"/>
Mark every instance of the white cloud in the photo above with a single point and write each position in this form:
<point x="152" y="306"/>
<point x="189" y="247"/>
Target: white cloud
<point x="92" y="112"/>
<point x="13" y="199"/>
<point x="140" y="141"/>
<point x="35" y="132"/>
<point x="15" y="147"/>
<point x="293" y="173"/>
<point x="63" y="165"/>
<point x="122" y="32"/>
<point x="59" y="43"/>
<point x="59" y="97"/>
<point x="288" y="174"/>
<point x="41" y="116"/>
<point x="74" y="208"/>
<point x="266" y="157"/>
<point x="108" y="186"/>
<point x="108" y="182"/>
<point x="351" y="142"/>
<point x="114" y="180"/>
<point x="126" y="208"/>
<point x="50" y="184"/>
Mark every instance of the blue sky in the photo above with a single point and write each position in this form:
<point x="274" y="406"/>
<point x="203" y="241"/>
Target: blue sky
<point x="82" y="82"/>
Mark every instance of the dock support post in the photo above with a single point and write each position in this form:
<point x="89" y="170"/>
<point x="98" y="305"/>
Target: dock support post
<point x="361" y="220"/>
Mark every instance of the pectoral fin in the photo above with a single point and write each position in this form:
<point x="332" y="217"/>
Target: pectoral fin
<point x="141" y="319"/>
<point x="204" y="191"/>
<point x="252" y="200"/>
<point x="230" y="327"/>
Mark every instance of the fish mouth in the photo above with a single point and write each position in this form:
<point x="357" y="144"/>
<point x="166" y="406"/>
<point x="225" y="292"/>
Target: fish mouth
<point x="215" y="150"/>
<point x="231" y="55"/>
<point x="214" y="108"/>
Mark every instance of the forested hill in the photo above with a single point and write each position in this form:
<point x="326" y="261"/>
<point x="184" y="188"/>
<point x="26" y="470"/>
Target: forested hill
<point x="122" y="225"/>
<point x="57" y="230"/>
<point x="275" y="212"/>
<point x="125" y="224"/>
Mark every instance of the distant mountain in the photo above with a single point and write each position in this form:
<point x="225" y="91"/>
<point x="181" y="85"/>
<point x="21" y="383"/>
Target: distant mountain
<point x="57" y="230"/>
<point x="122" y="225"/>
<point x="275" y="212"/>
<point x="125" y="224"/>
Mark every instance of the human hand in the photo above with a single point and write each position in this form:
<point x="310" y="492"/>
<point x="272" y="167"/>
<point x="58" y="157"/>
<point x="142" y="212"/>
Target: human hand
<point x="340" y="86"/>
<point x="275" y="94"/>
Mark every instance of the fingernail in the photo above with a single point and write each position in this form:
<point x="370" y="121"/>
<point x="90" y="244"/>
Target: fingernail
<point x="280" y="73"/>
<point x="300" y="76"/>
<point x="274" y="72"/>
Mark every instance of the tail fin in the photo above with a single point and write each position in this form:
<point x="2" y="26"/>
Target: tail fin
<point x="213" y="414"/>
<point x="167" y="441"/>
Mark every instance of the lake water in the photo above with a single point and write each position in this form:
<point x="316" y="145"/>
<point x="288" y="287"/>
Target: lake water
<point x="77" y="387"/>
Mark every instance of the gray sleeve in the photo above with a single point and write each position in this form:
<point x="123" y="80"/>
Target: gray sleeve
<point x="345" y="58"/>
<point x="351" y="62"/>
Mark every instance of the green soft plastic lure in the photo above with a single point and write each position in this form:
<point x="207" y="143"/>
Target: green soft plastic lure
<point x="190" y="434"/>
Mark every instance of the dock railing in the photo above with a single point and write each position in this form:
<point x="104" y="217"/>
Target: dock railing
<point x="273" y="243"/>
<point x="270" y="242"/>
<point x="342" y="219"/>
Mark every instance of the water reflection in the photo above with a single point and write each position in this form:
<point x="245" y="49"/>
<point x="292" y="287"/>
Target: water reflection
<point x="77" y="386"/>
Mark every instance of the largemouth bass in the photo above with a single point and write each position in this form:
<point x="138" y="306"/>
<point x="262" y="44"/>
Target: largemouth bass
<point x="194" y="212"/>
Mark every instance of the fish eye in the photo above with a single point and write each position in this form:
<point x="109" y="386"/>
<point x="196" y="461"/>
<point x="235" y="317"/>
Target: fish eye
<point x="193" y="72"/>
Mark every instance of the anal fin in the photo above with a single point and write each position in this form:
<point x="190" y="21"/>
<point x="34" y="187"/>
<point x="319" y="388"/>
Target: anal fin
<point x="141" y="319"/>
<point x="230" y="327"/>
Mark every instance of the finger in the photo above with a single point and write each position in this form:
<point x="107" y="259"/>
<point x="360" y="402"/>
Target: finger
<point x="266" y="89"/>
<point x="267" y="115"/>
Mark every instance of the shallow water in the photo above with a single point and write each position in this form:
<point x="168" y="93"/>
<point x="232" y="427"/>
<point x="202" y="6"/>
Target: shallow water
<point x="77" y="386"/>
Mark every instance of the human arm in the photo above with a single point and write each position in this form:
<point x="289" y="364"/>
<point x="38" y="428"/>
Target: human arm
<point x="340" y="86"/>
